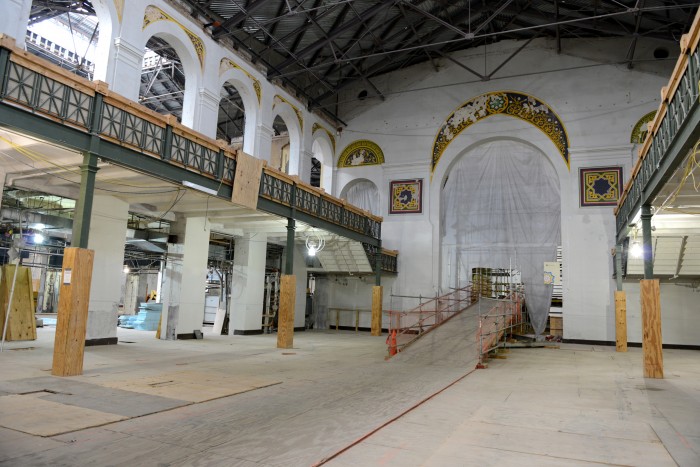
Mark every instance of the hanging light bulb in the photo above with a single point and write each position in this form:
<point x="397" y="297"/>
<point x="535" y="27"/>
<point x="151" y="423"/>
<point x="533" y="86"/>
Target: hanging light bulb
<point x="636" y="250"/>
<point x="38" y="238"/>
<point x="126" y="269"/>
<point x="314" y="244"/>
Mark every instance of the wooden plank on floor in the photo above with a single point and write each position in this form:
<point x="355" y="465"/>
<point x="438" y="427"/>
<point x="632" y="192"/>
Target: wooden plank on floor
<point x="69" y="344"/>
<point x="620" y="321"/>
<point x="285" y="322"/>
<point x="651" y="329"/>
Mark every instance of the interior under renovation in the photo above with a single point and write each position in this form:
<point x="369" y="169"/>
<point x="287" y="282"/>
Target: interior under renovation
<point x="347" y="232"/>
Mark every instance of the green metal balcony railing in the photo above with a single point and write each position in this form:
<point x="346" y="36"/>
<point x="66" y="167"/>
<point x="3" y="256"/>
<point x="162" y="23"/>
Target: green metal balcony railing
<point x="672" y="132"/>
<point x="44" y="90"/>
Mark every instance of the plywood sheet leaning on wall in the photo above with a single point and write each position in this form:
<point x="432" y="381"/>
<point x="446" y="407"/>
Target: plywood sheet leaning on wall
<point x="21" y="325"/>
<point x="246" y="185"/>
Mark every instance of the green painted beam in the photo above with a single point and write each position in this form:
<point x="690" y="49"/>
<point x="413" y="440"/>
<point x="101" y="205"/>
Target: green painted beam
<point x="685" y="139"/>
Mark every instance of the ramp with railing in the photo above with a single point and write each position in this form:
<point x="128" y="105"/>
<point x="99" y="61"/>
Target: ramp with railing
<point x="457" y="328"/>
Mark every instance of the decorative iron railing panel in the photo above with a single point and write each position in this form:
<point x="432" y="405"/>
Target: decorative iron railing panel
<point x="46" y="95"/>
<point x="677" y="112"/>
<point x="276" y="189"/>
<point x="308" y="201"/>
<point x="229" y="170"/>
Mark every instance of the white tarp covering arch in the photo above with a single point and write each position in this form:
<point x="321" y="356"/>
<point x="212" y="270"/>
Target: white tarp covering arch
<point x="363" y="194"/>
<point x="501" y="207"/>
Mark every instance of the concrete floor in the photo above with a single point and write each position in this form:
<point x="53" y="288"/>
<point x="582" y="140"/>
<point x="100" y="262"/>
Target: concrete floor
<point x="239" y="401"/>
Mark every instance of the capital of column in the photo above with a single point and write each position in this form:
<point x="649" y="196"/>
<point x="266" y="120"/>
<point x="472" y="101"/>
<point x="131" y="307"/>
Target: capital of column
<point x="128" y="52"/>
<point x="208" y="98"/>
<point x="265" y="130"/>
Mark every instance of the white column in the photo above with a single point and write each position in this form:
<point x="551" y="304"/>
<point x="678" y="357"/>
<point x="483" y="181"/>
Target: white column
<point x="14" y="19"/>
<point x="248" y="284"/>
<point x="123" y="71"/>
<point x="108" y="222"/>
<point x="206" y="114"/>
<point x="263" y="142"/>
<point x="305" y="165"/>
<point x="185" y="279"/>
<point x="300" y="273"/>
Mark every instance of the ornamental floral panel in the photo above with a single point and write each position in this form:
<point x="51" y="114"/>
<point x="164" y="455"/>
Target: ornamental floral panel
<point x="406" y="196"/>
<point x="600" y="186"/>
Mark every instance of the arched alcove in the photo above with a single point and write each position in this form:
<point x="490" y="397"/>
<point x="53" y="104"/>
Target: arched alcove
<point x="364" y="194"/>
<point x="279" y="159"/>
<point x="500" y="207"/>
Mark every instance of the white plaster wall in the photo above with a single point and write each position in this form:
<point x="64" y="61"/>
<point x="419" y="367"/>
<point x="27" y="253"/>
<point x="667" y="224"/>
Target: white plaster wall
<point x="599" y="102"/>
<point x="353" y="292"/>
<point x="680" y="313"/>
<point x="301" y="279"/>
<point x="107" y="235"/>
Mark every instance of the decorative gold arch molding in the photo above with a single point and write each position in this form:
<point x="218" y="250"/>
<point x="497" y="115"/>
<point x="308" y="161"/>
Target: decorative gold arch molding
<point x="154" y="14"/>
<point x="300" y="117"/>
<point x="515" y="104"/>
<point x="227" y="64"/>
<point x="316" y="126"/>
<point x="639" y="132"/>
<point x="119" y="5"/>
<point x="361" y="152"/>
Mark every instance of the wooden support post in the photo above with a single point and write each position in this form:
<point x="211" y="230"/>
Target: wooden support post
<point x="285" y="321"/>
<point x="651" y="329"/>
<point x="21" y="325"/>
<point x="69" y="344"/>
<point x="377" y="310"/>
<point x="620" y="321"/>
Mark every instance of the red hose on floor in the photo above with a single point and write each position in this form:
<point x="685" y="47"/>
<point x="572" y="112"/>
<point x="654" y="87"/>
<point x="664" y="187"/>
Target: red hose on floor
<point x="390" y="421"/>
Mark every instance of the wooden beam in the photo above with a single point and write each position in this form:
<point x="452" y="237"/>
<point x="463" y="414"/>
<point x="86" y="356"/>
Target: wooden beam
<point x="74" y="296"/>
<point x="377" y="310"/>
<point x="285" y="321"/>
<point x="651" y="329"/>
<point x="620" y="321"/>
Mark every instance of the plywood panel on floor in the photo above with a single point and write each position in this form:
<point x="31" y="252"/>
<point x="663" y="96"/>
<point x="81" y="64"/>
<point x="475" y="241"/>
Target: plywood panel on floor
<point x="44" y="418"/>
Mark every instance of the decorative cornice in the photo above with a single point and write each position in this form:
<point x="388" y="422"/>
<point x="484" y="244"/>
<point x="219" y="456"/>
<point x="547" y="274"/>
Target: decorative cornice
<point x="154" y="14"/>
<point x="300" y="116"/>
<point x="228" y="64"/>
<point x="639" y="132"/>
<point x="361" y="152"/>
<point x="316" y="126"/>
<point x="515" y="104"/>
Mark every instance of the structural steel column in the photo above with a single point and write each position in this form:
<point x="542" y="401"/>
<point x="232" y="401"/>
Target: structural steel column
<point x="289" y="265"/>
<point x="618" y="265"/>
<point x="83" y="208"/>
<point x="646" y="242"/>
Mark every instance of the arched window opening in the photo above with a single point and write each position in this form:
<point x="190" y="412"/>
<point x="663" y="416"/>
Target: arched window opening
<point x="66" y="37"/>
<point x="231" y="122"/>
<point x="280" y="146"/>
<point x="315" y="179"/>
<point x="162" y="79"/>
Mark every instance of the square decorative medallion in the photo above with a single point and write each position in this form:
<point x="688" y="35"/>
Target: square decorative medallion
<point x="600" y="186"/>
<point x="406" y="196"/>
